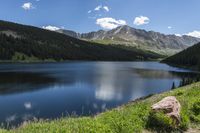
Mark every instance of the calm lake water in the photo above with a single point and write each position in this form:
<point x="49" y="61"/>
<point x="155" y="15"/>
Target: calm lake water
<point x="53" y="90"/>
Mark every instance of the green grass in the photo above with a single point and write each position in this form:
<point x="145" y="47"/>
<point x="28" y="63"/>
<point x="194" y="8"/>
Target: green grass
<point x="137" y="46"/>
<point x="129" y="118"/>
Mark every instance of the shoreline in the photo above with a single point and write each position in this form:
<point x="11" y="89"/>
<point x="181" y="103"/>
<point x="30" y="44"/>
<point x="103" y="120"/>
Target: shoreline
<point x="131" y="111"/>
<point x="193" y="68"/>
<point x="63" y="61"/>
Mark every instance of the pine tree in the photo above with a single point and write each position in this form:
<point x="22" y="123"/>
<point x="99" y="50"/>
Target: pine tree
<point x="173" y="86"/>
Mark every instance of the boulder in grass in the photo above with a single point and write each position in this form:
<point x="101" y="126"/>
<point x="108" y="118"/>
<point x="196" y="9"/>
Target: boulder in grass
<point x="170" y="106"/>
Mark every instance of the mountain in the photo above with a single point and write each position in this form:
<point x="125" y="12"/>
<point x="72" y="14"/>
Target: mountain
<point x="27" y="43"/>
<point x="70" y="33"/>
<point x="141" y="39"/>
<point x="187" y="58"/>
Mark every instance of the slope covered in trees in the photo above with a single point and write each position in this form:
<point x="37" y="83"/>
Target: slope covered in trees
<point x="188" y="58"/>
<point x="20" y="42"/>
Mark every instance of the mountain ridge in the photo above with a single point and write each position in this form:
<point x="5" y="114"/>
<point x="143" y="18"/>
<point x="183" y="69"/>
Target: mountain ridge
<point x="139" y="38"/>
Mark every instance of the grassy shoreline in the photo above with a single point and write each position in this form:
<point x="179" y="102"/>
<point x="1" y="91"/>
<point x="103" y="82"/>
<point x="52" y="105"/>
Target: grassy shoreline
<point x="129" y="118"/>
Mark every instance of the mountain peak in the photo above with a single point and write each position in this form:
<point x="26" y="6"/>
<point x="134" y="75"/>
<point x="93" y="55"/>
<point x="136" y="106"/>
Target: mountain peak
<point x="148" y="40"/>
<point x="124" y="27"/>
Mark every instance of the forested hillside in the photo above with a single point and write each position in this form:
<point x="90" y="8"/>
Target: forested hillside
<point x="188" y="58"/>
<point x="20" y="42"/>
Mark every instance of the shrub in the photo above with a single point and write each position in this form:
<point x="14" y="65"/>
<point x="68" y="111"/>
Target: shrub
<point x="179" y="93"/>
<point x="196" y="107"/>
<point x="160" y="122"/>
<point x="184" y="124"/>
<point x="195" y="117"/>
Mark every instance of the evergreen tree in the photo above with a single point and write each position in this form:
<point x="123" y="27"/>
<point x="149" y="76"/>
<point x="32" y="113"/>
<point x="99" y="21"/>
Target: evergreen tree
<point x="173" y="86"/>
<point x="29" y="42"/>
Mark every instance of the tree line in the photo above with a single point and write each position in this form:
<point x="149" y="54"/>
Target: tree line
<point x="42" y="44"/>
<point x="189" y="57"/>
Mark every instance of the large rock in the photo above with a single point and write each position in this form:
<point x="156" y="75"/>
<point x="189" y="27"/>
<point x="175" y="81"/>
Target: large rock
<point x="170" y="106"/>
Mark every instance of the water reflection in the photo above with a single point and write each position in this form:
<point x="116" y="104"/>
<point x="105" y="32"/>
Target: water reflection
<point x="163" y="74"/>
<point x="47" y="91"/>
<point x="17" y="82"/>
<point x="108" y="88"/>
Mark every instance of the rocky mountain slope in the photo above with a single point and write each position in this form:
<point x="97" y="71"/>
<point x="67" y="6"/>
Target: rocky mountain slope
<point x="141" y="39"/>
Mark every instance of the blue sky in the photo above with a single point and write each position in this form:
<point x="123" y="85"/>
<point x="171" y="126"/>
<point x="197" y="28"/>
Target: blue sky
<point x="166" y="16"/>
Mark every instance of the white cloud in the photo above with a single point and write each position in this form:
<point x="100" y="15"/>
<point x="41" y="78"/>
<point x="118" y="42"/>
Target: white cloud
<point x="27" y="6"/>
<point x="141" y="20"/>
<point x="194" y="34"/>
<point x="110" y="23"/>
<point x="89" y="11"/>
<point x="179" y="35"/>
<point x="169" y="27"/>
<point x="98" y="8"/>
<point x="106" y="8"/>
<point x="51" y="28"/>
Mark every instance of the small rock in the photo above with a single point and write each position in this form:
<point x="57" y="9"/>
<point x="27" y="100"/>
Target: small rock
<point x="170" y="106"/>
